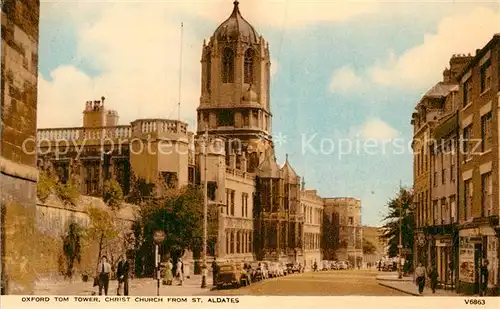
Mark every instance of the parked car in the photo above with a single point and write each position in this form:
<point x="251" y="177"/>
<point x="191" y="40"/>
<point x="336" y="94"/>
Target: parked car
<point x="255" y="272"/>
<point x="325" y="265"/>
<point x="342" y="265"/>
<point x="284" y="269"/>
<point x="233" y="275"/>
<point x="264" y="267"/>
<point x="273" y="270"/>
<point x="293" y="268"/>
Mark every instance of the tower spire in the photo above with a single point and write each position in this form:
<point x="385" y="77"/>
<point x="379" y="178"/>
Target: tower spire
<point x="236" y="9"/>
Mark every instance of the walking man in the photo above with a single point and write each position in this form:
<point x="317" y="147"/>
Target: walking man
<point x="180" y="271"/>
<point x="122" y="273"/>
<point x="420" y="274"/>
<point x="484" y="278"/>
<point x="214" y="272"/>
<point x="104" y="271"/>
<point x="433" y="274"/>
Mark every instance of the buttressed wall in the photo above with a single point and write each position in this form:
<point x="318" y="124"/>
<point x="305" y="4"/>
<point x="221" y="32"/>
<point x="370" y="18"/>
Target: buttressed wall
<point x="18" y="173"/>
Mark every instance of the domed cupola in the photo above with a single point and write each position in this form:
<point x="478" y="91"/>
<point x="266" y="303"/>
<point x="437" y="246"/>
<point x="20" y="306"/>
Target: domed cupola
<point x="236" y="27"/>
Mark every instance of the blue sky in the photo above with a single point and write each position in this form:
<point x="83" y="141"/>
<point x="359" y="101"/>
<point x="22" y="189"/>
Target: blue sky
<point x="342" y="71"/>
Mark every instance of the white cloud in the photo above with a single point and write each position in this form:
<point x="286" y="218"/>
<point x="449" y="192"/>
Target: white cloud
<point x="422" y="65"/>
<point x="376" y="129"/>
<point x="135" y="47"/>
<point x="345" y="80"/>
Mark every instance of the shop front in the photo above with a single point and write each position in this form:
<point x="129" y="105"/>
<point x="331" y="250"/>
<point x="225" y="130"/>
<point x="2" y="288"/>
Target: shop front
<point x="444" y="261"/>
<point x="475" y="246"/>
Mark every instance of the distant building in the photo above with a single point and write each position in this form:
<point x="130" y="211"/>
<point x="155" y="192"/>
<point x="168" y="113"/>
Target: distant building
<point x="372" y="235"/>
<point x="346" y="211"/>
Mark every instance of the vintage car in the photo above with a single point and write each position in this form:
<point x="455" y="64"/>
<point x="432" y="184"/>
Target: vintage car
<point x="232" y="274"/>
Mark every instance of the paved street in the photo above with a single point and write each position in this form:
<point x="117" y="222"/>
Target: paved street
<point x="327" y="283"/>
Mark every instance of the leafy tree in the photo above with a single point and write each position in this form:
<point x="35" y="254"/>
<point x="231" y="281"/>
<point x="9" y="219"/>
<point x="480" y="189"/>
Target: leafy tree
<point x="179" y="214"/>
<point x="404" y="201"/>
<point x="368" y="247"/>
<point x="45" y="186"/>
<point x="102" y="228"/>
<point x="141" y="191"/>
<point x="112" y="194"/>
<point x="72" y="246"/>
<point x="68" y="192"/>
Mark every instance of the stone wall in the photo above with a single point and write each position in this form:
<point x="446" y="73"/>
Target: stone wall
<point x="53" y="218"/>
<point x="18" y="175"/>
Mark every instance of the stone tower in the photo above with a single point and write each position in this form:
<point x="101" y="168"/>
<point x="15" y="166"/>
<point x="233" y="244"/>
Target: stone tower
<point x="235" y="94"/>
<point x="19" y="245"/>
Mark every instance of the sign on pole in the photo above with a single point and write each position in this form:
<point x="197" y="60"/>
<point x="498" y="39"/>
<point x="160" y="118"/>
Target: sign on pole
<point x="159" y="236"/>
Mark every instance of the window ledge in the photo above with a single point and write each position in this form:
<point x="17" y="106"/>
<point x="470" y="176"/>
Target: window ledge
<point x="486" y="152"/>
<point x="485" y="91"/>
<point x="467" y="106"/>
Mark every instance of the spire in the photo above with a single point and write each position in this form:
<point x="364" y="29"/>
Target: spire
<point x="286" y="160"/>
<point x="236" y="9"/>
<point x="303" y="183"/>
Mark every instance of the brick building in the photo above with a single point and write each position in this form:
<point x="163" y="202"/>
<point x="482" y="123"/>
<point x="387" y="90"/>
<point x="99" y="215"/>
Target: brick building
<point x="455" y="147"/>
<point x="479" y="172"/>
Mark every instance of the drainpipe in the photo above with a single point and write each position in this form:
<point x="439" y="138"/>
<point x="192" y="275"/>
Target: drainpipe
<point x="456" y="232"/>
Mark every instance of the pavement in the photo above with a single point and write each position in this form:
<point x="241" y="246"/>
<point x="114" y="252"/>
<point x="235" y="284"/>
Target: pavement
<point x="137" y="286"/>
<point x="408" y="286"/>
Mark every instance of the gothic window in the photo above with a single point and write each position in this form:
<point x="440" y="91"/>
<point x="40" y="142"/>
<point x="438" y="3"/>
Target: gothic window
<point x="249" y="66"/>
<point x="225" y="118"/>
<point x="92" y="176"/>
<point x="209" y="71"/>
<point x="228" y="65"/>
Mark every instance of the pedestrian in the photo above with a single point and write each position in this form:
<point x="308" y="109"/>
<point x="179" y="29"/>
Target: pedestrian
<point x="187" y="270"/>
<point x="214" y="273"/>
<point x="167" y="280"/>
<point x="122" y="273"/>
<point x="433" y="276"/>
<point x="315" y="266"/>
<point x="484" y="278"/>
<point x="379" y="265"/>
<point x="420" y="274"/>
<point x="179" y="272"/>
<point x="104" y="270"/>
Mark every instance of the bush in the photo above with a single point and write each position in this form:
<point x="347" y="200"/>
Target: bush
<point x="112" y="194"/>
<point x="69" y="193"/>
<point x="45" y="186"/>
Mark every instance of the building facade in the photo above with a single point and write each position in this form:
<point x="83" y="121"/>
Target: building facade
<point x="458" y="231"/>
<point x="479" y="180"/>
<point x="372" y="235"/>
<point x="257" y="210"/>
<point x="312" y="207"/>
<point x="18" y="173"/>
<point x="347" y="212"/>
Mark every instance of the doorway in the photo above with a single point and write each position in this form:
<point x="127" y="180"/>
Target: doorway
<point x="477" y="265"/>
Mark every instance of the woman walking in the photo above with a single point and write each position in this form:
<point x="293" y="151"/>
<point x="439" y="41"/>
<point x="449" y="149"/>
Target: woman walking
<point x="420" y="274"/>
<point x="433" y="276"/>
<point x="168" y="273"/>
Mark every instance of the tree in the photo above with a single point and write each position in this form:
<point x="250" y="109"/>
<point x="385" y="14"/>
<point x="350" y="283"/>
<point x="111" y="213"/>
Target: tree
<point x="141" y="191"/>
<point x="72" y="246"/>
<point x="45" y="186"/>
<point x="179" y="214"/>
<point x="112" y="194"/>
<point x="102" y="228"/>
<point x="404" y="201"/>
<point x="368" y="247"/>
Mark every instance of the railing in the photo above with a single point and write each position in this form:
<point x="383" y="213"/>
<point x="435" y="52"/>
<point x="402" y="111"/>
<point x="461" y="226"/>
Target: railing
<point x="99" y="133"/>
<point x="159" y="126"/>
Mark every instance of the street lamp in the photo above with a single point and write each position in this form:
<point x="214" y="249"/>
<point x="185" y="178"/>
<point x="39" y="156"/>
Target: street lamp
<point x="205" y="213"/>
<point x="400" y="246"/>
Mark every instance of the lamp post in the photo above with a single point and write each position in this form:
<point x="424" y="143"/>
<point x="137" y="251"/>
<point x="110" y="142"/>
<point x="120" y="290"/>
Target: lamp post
<point x="400" y="246"/>
<point x="205" y="213"/>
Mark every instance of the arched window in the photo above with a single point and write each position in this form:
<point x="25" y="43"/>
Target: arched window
<point x="228" y="65"/>
<point x="249" y="56"/>
<point x="209" y="71"/>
